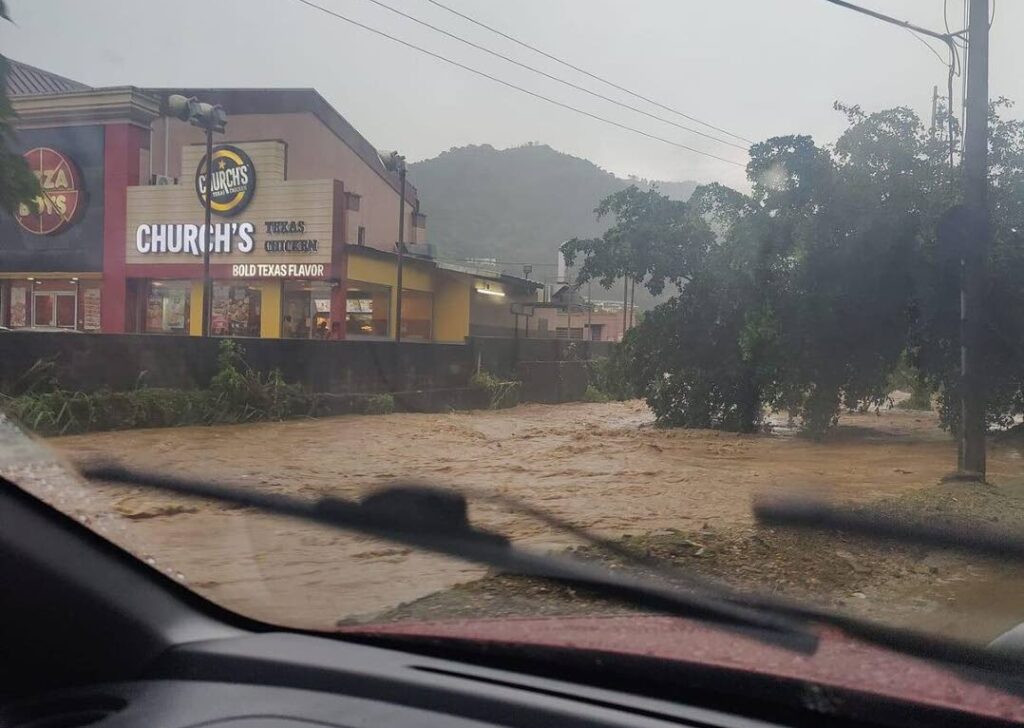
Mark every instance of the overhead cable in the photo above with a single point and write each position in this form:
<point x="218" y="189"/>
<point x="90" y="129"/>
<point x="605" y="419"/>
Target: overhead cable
<point x="585" y="72"/>
<point x="511" y="85"/>
<point x="552" y="77"/>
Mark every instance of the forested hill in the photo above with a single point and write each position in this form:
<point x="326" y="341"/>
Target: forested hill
<point x="516" y="205"/>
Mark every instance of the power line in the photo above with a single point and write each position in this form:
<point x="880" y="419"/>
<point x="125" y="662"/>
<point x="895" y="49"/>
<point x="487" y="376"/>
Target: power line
<point x="547" y="75"/>
<point x="511" y="85"/>
<point x="950" y="39"/>
<point x="562" y="81"/>
<point x="588" y="73"/>
<point x="927" y="45"/>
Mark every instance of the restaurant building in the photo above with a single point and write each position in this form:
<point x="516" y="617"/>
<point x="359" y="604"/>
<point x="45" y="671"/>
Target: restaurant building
<point x="303" y="240"/>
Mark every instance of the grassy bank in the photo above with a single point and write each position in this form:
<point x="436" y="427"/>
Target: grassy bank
<point x="236" y="394"/>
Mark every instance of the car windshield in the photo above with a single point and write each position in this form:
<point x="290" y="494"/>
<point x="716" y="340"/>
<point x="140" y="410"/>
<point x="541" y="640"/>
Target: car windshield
<point x="632" y="266"/>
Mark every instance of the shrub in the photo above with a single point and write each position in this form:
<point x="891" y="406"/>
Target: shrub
<point x="237" y="393"/>
<point x="593" y="394"/>
<point x="379" y="404"/>
<point x="920" y="399"/>
<point x="609" y="375"/>
<point x="501" y="393"/>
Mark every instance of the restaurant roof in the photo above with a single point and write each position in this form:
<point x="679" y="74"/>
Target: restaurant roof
<point x="25" y="80"/>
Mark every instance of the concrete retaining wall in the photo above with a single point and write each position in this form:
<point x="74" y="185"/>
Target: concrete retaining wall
<point x="551" y="370"/>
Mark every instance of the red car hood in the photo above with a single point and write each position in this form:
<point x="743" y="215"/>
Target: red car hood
<point x="839" y="662"/>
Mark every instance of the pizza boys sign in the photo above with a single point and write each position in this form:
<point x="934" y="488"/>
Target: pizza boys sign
<point x="60" y="183"/>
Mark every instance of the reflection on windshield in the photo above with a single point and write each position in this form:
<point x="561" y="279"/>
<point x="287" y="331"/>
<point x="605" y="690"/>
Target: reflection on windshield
<point x="236" y="284"/>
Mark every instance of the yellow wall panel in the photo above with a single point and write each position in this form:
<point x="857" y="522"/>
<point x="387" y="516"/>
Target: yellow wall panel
<point x="195" y="313"/>
<point x="451" y="308"/>
<point x="270" y="309"/>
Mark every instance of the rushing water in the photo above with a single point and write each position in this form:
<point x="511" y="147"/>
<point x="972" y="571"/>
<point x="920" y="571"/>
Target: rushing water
<point x="602" y="466"/>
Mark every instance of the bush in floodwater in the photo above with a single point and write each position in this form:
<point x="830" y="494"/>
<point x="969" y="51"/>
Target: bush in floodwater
<point x="66" y="413"/>
<point x="610" y="375"/>
<point x="501" y="393"/>
<point x="237" y="393"/>
<point x="379" y="404"/>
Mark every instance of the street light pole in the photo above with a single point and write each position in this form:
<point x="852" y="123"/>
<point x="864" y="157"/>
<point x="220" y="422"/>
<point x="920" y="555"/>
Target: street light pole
<point x="210" y="118"/>
<point x="207" y="226"/>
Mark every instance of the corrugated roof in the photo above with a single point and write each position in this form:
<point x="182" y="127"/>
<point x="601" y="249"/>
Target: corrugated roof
<point x="26" y="80"/>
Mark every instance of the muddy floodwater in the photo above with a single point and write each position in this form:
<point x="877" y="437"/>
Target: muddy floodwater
<point x="601" y="466"/>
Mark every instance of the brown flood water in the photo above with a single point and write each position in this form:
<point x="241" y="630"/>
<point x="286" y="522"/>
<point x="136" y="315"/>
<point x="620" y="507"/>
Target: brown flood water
<point x="602" y="466"/>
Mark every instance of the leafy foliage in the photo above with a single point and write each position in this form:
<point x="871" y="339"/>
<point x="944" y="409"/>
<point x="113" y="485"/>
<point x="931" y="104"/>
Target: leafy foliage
<point x="236" y="394"/>
<point x="593" y="394"/>
<point x="17" y="183"/>
<point x="610" y="375"/>
<point x="379" y="404"/>
<point x="501" y="393"/>
<point x="807" y="294"/>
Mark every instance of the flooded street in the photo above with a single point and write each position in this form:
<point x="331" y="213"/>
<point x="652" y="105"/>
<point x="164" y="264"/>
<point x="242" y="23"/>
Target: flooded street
<point x="601" y="466"/>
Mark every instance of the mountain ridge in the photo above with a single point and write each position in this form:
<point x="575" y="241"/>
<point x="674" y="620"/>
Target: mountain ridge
<point x="516" y="205"/>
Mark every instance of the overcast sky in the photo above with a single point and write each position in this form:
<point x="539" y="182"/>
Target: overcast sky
<point x="754" y="67"/>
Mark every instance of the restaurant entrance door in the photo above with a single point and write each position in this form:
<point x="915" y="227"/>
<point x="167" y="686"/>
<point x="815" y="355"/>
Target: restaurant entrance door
<point x="306" y="310"/>
<point x="57" y="309"/>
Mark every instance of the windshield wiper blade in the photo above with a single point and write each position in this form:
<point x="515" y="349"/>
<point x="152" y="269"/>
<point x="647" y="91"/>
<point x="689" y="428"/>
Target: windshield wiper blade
<point x="435" y="520"/>
<point x="817" y="515"/>
<point x="965" y="657"/>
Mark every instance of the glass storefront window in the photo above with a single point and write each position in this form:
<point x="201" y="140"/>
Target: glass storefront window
<point x="417" y="314"/>
<point x="42" y="310"/>
<point x="236" y="309"/>
<point x="367" y="310"/>
<point x="55" y="309"/>
<point x="167" y="307"/>
<point x="306" y="310"/>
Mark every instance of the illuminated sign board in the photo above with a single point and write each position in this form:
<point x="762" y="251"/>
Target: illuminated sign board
<point x="232" y="181"/>
<point x="287" y="228"/>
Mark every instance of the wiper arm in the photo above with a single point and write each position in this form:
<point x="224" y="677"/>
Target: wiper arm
<point x="435" y="520"/>
<point x="909" y="642"/>
<point x="815" y="515"/>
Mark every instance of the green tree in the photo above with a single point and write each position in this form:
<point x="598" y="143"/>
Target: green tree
<point x="17" y="183"/>
<point x="805" y="295"/>
<point x="654" y="241"/>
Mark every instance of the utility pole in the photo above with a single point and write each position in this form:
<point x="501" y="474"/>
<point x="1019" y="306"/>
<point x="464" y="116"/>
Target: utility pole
<point x="971" y="451"/>
<point x="974" y="243"/>
<point x="395" y="162"/>
<point x="632" y="301"/>
<point x="590" y="313"/>
<point x="401" y="254"/>
<point x="625" y="302"/>
<point x="935" y="105"/>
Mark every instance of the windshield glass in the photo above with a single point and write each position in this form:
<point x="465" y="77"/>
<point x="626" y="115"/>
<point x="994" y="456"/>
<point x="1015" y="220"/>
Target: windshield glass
<point x="782" y="257"/>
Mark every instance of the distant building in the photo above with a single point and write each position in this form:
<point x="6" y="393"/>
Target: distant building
<point x="569" y="315"/>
